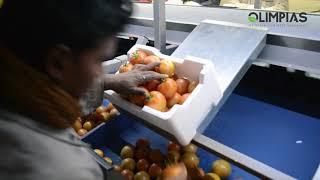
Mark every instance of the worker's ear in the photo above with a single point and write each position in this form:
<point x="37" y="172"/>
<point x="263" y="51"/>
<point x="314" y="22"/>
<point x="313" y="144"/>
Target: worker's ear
<point x="59" y="60"/>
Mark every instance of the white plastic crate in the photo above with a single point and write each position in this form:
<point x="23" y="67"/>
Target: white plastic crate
<point x="183" y="120"/>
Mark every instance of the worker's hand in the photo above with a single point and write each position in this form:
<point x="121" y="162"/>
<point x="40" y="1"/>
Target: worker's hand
<point x="127" y="83"/>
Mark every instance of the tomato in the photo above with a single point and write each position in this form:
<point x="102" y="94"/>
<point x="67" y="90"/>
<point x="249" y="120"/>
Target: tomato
<point x="168" y="88"/>
<point x="82" y="132"/>
<point x="137" y="57"/>
<point x="140" y="99"/>
<point x="108" y="160"/>
<point x="114" y="112"/>
<point x="157" y="101"/>
<point x="77" y="125"/>
<point x="173" y="156"/>
<point x="192" y="86"/>
<point x="182" y="85"/>
<point x="174" y="100"/>
<point x="117" y="168"/>
<point x="184" y="98"/>
<point x="142" y="165"/>
<point x="173" y="147"/>
<point x="142" y="175"/>
<point x="155" y="170"/>
<point x="167" y="67"/>
<point x="103" y="117"/>
<point x="190" y="148"/>
<point x="109" y="107"/>
<point x="99" y="152"/>
<point x="176" y="171"/>
<point x="127" y="174"/>
<point x="142" y="143"/>
<point x="155" y="156"/>
<point x="151" y="59"/>
<point x="190" y="160"/>
<point x="125" y="68"/>
<point x="128" y="163"/>
<point x="101" y="109"/>
<point x="196" y="173"/>
<point x="222" y="168"/>
<point x="166" y="109"/>
<point x="127" y="152"/>
<point x="88" y="125"/>
<point x="141" y="153"/>
<point x="152" y="85"/>
<point x="211" y="176"/>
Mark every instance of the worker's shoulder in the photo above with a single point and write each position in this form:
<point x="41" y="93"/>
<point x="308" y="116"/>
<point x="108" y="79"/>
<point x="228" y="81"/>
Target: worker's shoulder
<point x="40" y="152"/>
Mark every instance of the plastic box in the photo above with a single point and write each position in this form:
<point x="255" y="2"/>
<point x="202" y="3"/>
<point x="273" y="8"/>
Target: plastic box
<point x="183" y="120"/>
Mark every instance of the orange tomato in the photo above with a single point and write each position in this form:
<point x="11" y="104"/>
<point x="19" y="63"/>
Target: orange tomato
<point x="77" y="125"/>
<point x="139" y="99"/>
<point x="137" y="57"/>
<point x="151" y="59"/>
<point x="192" y="86"/>
<point x="174" y="100"/>
<point x="182" y="85"/>
<point x="168" y="88"/>
<point x="167" y="67"/>
<point x="184" y="98"/>
<point x="152" y="85"/>
<point x="125" y="68"/>
<point x="157" y="101"/>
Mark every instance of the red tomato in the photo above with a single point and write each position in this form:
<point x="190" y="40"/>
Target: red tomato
<point x="142" y="165"/>
<point x="151" y="59"/>
<point x="168" y="88"/>
<point x="139" y="99"/>
<point x="173" y="147"/>
<point x="152" y="85"/>
<point x="137" y="57"/>
<point x="155" y="170"/>
<point x="182" y="85"/>
<point x="167" y="67"/>
<point x="192" y="86"/>
<point x="157" y="101"/>
<point x="174" y="100"/>
<point x="155" y="156"/>
<point x="184" y="98"/>
<point x="125" y="68"/>
<point x="142" y="143"/>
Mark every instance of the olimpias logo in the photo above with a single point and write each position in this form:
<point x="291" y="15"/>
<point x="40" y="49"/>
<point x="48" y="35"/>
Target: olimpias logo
<point x="263" y="17"/>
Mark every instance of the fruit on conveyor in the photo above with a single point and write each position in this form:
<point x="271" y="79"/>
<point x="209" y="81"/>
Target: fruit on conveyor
<point x="99" y="152"/>
<point x="127" y="152"/>
<point x="82" y="132"/>
<point x="191" y="148"/>
<point x="211" y="176"/>
<point x="128" y="163"/>
<point x="142" y="175"/>
<point x="222" y="168"/>
<point x="108" y="160"/>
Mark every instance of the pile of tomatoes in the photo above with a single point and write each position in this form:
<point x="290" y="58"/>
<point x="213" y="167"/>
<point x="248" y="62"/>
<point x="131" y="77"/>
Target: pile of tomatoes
<point x="160" y="95"/>
<point x="84" y="124"/>
<point x="141" y="162"/>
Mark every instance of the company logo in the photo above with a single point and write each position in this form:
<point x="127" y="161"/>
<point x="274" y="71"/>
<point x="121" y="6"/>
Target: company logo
<point x="277" y="17"/>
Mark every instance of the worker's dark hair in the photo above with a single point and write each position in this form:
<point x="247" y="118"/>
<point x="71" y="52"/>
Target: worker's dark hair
<point x="31" y="27"/>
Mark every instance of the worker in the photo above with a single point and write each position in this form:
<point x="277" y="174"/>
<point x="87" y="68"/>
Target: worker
<point x="280" y="5"/>
<point x="50" y="53"/>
